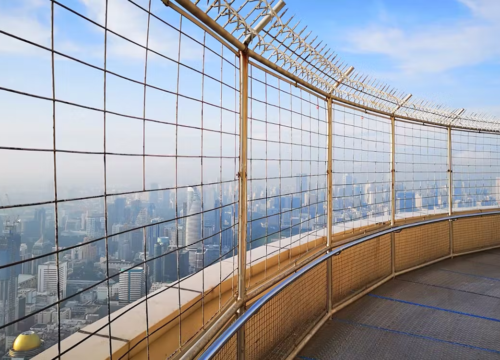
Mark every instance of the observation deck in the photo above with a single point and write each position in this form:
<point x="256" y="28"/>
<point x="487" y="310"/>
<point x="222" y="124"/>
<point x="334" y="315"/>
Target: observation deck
<point x="448" y="310"/>
<point x="182" y="181"/>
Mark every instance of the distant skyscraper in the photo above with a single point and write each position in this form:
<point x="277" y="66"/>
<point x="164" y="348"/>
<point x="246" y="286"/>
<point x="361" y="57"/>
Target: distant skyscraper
<point x="153" y="233"/>
<point x="286" y="201"/>
<point x="405" y="201"/>
<point x="153" y="195"/>
<point x="163" y="271"/>
<point x="369" y="193"/>
<point x="94" y="226"/>
<point x="301" y="189"/>
<point x="24" y="255"/>
<point x="120" y="204"/>
<point x="228" y="230"/>
<point x="347" y="182"/>
<point x="40" y="216"/>
<point x="40" y="247"/>
<point x="193" y="223"/>
<point x="135" y="208"/>
<point x="207" y="256"/>
<point x="89" y="251"/>
<point x="131" y="285"/>
<point x="125" y="248"/>
<point x="137" y="241"/>
<point x="184" y="212"/>
<point x="142" y="217"/>
<point x="10" y="244"/>
<point x="48" y="279"/>
<point x="175" y="264"/>
<point x="158" y="263"/>
<point x="217" y="221"/>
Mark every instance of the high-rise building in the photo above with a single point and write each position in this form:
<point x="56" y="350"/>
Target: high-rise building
<point x="348" y="183"/>
<point x="153" y="233"/>
<point x="286" y="201"/>
<point x="207" y="256"/>
<point x="497" y="190"/>
<point x="135" y="209"/>
<point x="158" y="264"/>
<point x="369" y="194"/>
<point x="24" y="255"/>
<point x="405" y="201"/>
<point x="40" y="247"/>
<point x="10" y="244"/>
<point x="40" y="216"/>
<point x="125" y="249"/>
<point x="95" y="226"/>
<point x="175" y="264"/>
<point x="217" y="221"/>
<point x="180" y="237"/>
<point x="302" y="185"/>
<point x="142" y="217"/>
<point x="228" y="229"/>
<point x="116" y="211"/>
<point x="89" y="251"/>
<point x="193" y="223"/>
<point x="162" y="269"/>
<point x="131" y="285"/>
<point x="48" y="277"/>
<point x="166" y="199"/>
<point x="34" y="229"/>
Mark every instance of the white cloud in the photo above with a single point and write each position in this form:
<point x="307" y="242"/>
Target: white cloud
<point x="129" y="21"/>
<point x="437" y="47"/>
<point x="487" y="9"/>
<point x="29" y="20"/>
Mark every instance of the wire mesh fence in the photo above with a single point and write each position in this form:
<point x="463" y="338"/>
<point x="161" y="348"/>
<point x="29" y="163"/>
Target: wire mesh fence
<point x="474" y="234"/>
<point x="359" y="267"/>
<point x="421" y="170"/>
<point x="422" y="244"/>
<point x="361" y="169"/>
<point x="273" y="332"/>
<point x="286" y="167"/>
<point x="126" y="134"/>
<point x="476" y="170"/>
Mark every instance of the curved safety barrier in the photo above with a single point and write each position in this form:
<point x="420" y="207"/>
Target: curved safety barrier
<point x="279" y="323"/>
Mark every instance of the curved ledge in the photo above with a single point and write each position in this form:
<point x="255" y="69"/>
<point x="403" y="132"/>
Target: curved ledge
<point x="218" y="344"/>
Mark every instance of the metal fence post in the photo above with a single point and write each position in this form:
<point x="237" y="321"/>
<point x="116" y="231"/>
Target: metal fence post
<point x="329" y="221"/>
<point x="450" y="175"/>
<point x="393" y="192"/>
<point x="450" y="189"/>
<point x="393" y="170"/>
<point x="242" y="201"/>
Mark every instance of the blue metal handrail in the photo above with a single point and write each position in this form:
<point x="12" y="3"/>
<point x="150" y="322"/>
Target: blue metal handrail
<point x="252" y="310"/>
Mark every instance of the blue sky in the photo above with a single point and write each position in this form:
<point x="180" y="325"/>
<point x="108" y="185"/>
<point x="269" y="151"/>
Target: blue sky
<point x="447" y="50"/>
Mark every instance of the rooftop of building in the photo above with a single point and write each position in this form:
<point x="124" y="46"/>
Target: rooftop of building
<point x="26" y="341"/>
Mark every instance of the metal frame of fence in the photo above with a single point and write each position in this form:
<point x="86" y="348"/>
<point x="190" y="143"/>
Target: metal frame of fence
<point x="333" y="81"/>
<point x="236" y="327"/>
